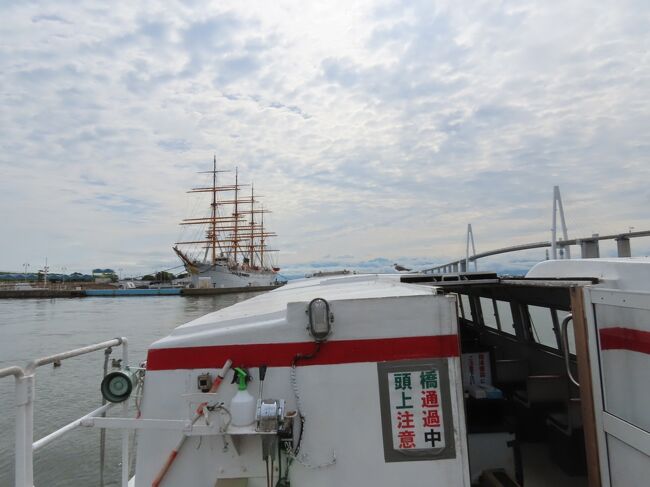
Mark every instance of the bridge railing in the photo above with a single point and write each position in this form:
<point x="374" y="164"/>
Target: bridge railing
<point x="588" y="246"/>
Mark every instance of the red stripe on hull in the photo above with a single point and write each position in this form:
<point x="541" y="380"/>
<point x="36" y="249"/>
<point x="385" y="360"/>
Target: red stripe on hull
<point x="625" y="339"/>
<point x="281" y="354"/>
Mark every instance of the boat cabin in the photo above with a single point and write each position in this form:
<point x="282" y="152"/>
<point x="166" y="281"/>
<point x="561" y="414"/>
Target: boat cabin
<point x="565" y="381"/>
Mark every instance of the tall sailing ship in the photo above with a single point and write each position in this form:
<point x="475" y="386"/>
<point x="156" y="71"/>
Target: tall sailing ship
<point x="233" y="251"/>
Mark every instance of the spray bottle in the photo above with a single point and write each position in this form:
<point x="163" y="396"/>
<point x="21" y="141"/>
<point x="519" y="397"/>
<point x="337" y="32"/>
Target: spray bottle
<point x="242" y="406"/>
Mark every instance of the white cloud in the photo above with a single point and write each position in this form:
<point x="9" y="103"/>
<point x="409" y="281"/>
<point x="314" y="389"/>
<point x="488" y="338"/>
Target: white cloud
<point x="372" y="128"/>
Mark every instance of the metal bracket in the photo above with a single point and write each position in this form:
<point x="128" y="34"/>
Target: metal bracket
<point x="184" y="426"/>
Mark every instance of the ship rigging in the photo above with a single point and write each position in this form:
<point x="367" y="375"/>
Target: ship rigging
<point x="235" y="250"/>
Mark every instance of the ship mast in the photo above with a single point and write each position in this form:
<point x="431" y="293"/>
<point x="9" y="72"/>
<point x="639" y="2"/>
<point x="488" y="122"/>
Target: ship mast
<point x="213" y="221"/>
<point x="213" y="225"/>
<point x="228" y="235"/>
<point x="235" y="238"/>
<point x="262" y="238"/>
<point x="252" y="244"/>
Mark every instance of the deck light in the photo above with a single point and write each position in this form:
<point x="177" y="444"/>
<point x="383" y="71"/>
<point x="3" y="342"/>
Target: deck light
<point x="320" y="319"/>
<point x="117" y="386"/>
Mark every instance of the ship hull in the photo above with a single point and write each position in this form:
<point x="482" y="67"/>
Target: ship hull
<point x="220" y="276"/>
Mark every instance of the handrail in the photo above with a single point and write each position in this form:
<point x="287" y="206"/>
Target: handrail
<point x="565" y="348"/>
<point x="14" y="370"/>
<point x="46" y="440"/>
<point x="24" y="394"/>
<point x="31" y="366"/>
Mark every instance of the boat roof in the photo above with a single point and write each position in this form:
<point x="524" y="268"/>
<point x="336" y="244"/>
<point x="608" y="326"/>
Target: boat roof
<point x="272" y="306"/>
<point x="629" y="273"/>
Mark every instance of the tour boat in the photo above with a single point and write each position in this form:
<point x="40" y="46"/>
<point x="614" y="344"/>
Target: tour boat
<point x="413" y="379"/>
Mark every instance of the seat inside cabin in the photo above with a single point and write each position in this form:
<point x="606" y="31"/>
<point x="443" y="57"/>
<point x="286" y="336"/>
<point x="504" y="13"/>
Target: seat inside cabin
<point x="523" y="414"/>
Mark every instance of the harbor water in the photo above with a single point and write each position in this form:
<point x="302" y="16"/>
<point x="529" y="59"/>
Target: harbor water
<point x="40" y="327"/>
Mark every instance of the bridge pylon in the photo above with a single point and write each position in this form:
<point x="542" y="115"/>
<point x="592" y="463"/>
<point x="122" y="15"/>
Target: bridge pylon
<point x="557" y="206"/>
<point x="470" y="236"/>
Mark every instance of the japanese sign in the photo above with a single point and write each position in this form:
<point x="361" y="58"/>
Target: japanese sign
<point x="476" y="368"/>
<point x="415" y="400"/>
<point x="416" y="410"/>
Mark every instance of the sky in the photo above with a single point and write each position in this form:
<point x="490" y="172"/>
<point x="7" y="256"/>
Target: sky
<point x="376" y="130"/>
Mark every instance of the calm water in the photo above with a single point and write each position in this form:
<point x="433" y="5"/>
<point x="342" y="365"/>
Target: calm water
<point x="35" y="328"/>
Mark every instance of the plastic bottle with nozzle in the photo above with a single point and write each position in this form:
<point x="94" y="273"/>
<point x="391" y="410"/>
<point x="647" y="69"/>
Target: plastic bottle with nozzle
<point x="242" y="406"/>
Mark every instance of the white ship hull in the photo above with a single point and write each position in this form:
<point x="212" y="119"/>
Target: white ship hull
<point x="221" y="276"/>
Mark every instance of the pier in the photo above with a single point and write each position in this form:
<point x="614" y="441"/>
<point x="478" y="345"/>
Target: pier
<point x="41" y="293"/>
<point x="112" y="293"/>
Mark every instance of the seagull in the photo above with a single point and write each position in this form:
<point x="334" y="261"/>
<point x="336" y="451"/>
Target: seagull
<point x="400" y="268"/>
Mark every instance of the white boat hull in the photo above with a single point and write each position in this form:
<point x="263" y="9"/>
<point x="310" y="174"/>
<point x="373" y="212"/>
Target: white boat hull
<point x="220" y="276"/>
<point x="347" y="433"/>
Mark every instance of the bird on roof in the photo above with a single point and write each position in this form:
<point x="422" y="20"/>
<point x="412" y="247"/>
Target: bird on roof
<point x="400" y="268"/>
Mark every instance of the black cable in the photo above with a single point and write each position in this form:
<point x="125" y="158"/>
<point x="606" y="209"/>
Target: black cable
<point x="294" y="363"/>
<point x="302" y="428"/>
<point x="284" y="482"/>
<point x="309" y="356"/>
<point x="286" y="475"/>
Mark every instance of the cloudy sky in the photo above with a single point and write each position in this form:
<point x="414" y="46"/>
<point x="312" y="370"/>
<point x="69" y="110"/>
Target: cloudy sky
<point x="376" y="130"/>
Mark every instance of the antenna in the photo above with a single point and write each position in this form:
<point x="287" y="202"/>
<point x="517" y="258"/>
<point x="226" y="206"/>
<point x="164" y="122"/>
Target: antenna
<point x="470" y="236"/>
<point x="557" y="205"/>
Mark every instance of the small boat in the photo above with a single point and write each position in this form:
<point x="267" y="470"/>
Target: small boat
<point x="234" y="251"/>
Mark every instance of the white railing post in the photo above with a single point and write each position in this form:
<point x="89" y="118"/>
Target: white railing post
<point x="125" y="412"/>
<point x="24" y="431"/>
<point x="20" y="433"/>
<point x="29" y="432"/>
<point x="125" y="446"/>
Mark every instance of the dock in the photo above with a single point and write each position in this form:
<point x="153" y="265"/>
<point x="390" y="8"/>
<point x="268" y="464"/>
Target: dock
<point x="41" y="293"/>
<point x="112" y="293"/>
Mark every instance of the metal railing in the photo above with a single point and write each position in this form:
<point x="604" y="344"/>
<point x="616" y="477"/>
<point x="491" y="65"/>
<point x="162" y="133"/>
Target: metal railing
<point x="462" y="265"/>
<point x="24" y="394"/>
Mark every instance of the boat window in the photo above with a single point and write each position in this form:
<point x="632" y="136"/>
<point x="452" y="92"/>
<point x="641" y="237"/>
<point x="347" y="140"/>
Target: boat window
<point x="489" y="316"/>
<point x="505" y="317"/>
<point x="543" y="329"/>
<point x="459" y="306"/>
<point x="467" y="309"/>
<point x="572" y="339"/>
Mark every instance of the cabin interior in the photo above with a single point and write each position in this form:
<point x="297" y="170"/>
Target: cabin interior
<point x="524" y="423"/>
